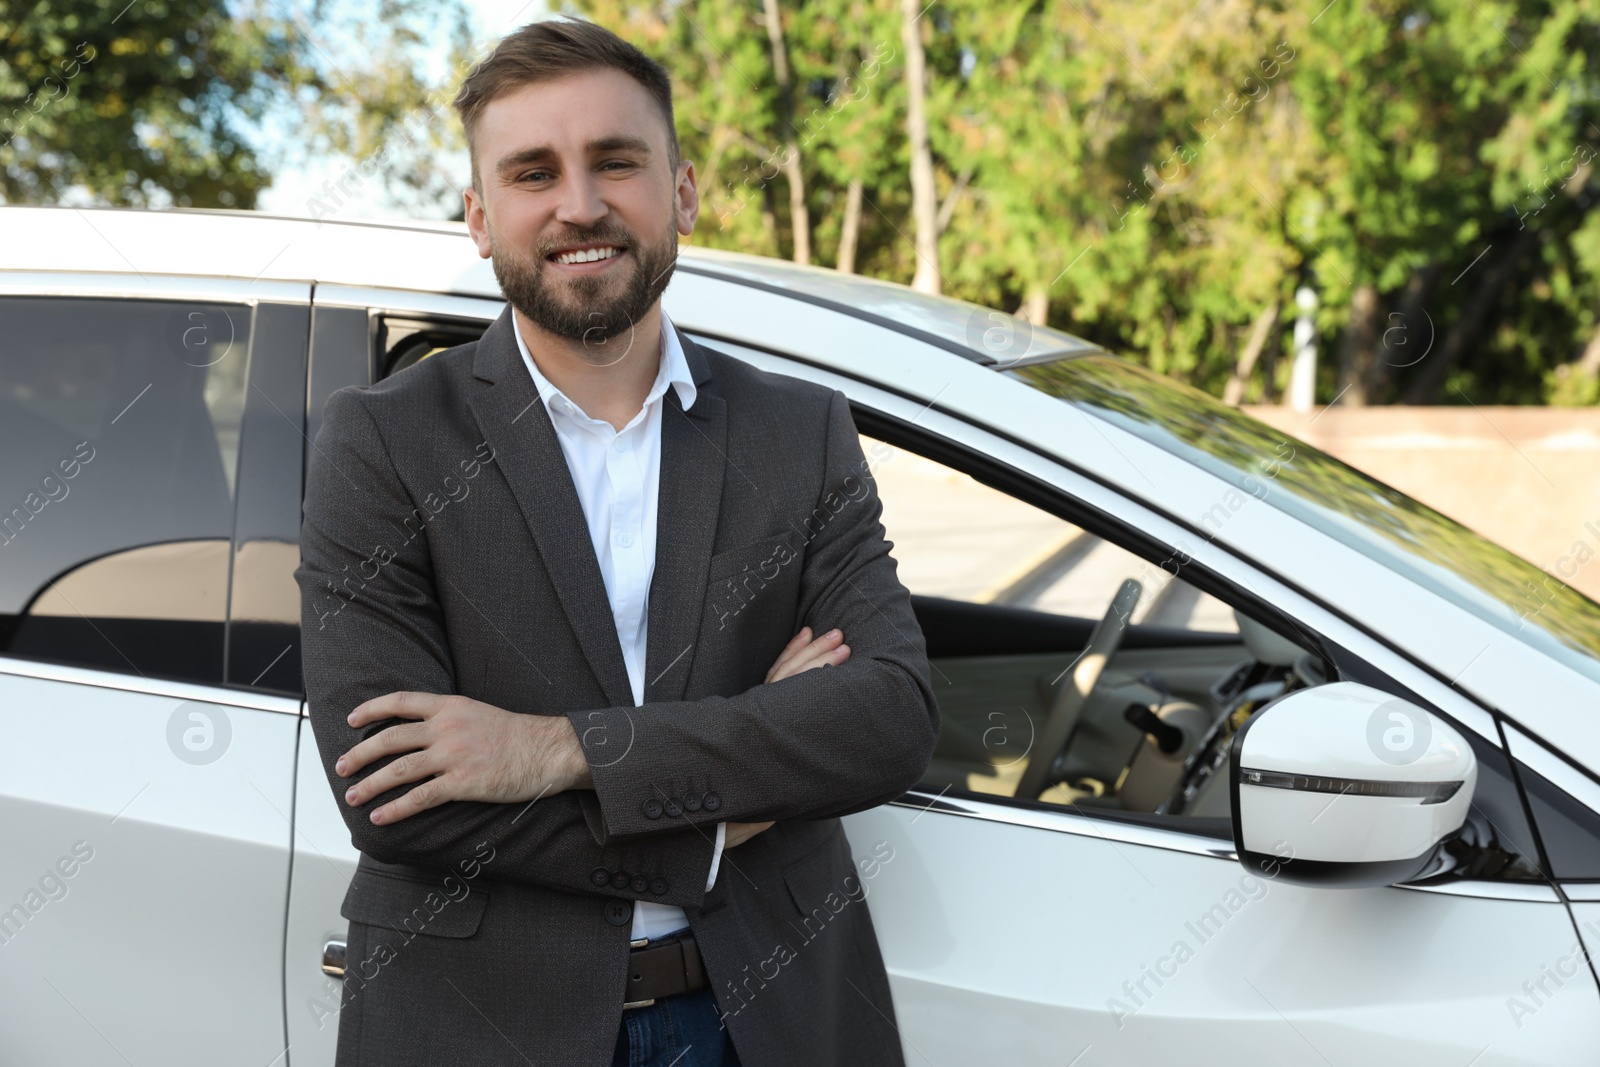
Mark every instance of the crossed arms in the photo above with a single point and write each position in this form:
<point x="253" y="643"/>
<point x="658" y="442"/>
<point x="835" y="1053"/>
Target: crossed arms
<point x="808" y="744"/>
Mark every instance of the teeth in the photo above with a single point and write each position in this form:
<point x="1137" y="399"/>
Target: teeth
<point x="588" y="255"/>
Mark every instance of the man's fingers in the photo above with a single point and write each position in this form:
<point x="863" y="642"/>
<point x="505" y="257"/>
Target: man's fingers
<point x="823" y="651"/>
<point x="429" y="794"/>
<point x="400" y="705"/>
<point x="403" y="737"/>
<point x="802" y="658"/>
<point x="412" y="767"/>
<point x="796" y="643"/>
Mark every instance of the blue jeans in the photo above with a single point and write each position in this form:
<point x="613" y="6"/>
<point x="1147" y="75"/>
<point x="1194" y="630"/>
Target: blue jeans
<point x="676" y="1031"/>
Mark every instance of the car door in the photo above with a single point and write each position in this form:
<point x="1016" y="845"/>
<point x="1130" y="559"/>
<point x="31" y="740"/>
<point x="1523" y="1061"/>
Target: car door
<point x="1028" y="932"/>
<point x="146" y="779"/>
<point x="358" y="336"/>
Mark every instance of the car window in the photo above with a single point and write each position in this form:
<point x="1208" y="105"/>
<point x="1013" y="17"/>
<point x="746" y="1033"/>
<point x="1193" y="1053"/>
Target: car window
<point x="1009" y="596"/>
<point x="959" y="539"/>
<point x="119" y="445"/>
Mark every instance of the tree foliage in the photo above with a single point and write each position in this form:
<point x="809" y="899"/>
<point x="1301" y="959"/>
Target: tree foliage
<point x="163" y="102"/>
<point x="1161" y="178"/>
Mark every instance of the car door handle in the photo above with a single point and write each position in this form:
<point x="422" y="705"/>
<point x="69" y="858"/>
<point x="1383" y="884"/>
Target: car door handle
<point x="333" y="958"/>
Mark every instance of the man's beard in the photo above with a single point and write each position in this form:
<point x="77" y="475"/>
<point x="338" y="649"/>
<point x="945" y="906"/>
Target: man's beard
<point x="580" y="311"/>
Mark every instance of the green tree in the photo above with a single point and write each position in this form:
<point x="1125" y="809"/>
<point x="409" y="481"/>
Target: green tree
<point x="160" y="102"/>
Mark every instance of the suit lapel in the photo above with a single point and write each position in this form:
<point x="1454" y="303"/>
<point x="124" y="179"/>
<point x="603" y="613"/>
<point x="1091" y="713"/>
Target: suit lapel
<point x="517" y="426"/>
<point x="689" y="501"/>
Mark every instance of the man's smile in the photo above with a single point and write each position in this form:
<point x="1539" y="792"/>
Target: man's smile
<point x="586" y="259"/>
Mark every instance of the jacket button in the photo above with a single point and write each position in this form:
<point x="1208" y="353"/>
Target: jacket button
<point x="620" y="880"/>
<point x="600" y="876"/>
<point x="673" y="807"/>
<point x="691" y="802"/>
<point x="652" y="808"/>
<point x="711" y="801"/>
<point x="640" y="883"/>
<point x="658" y="886"/>
<point x="619" y="912"/>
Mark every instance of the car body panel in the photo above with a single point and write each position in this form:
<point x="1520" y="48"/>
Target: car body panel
<point x="168" y="940"/>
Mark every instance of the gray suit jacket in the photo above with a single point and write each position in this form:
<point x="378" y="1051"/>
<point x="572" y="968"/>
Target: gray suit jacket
<point x="444" y="550"/>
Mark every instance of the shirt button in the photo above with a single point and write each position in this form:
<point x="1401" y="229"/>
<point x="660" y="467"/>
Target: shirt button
<point x="618" y="912"/>
<point x="625" y="540"/>
<point x="619" y="445"/>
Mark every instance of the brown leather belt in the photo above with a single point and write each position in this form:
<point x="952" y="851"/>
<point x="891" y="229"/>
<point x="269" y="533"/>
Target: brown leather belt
<point x="663" y="968"/>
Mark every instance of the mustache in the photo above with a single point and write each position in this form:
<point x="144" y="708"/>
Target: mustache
<point x="621" y="240"/>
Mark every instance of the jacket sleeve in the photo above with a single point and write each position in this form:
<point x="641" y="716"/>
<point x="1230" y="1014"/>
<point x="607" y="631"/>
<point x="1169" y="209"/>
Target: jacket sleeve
<point x="371" y="623"/>
<point x="820" y="744"/>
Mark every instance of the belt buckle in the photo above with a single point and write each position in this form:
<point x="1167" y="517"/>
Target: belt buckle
<point x="640" y="942"/>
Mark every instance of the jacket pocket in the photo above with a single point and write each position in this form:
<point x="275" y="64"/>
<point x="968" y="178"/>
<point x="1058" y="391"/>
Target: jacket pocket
<point x="823" y="881"/>
<point x="766" y="558"/>
<point x="443" y="906"/>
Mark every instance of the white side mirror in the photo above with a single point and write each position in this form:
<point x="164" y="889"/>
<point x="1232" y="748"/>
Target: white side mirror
<point x="1345" y="785"/>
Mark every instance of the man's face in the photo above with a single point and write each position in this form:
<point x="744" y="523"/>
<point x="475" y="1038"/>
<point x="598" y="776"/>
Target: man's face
<point x="580" y="164"/>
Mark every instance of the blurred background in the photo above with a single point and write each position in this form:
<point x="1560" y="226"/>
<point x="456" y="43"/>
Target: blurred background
<point x="1368" y="222"/>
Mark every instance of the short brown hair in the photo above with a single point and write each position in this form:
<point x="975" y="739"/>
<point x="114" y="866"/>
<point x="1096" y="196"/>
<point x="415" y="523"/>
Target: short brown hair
<point x="554" y="48"/>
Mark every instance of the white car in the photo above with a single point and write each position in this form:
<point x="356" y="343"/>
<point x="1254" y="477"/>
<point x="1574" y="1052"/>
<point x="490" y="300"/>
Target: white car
<point x="1245" y="758"/>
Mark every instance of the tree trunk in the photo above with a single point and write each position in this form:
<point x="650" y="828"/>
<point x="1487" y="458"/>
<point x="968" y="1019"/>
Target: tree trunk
<point x="924" y="197"/>
<point x="1413" y="332"/>
<point x="1035" y="304"/>
<point x="799" y="215"/>
<point x="850" y="231"/>
<point x="1588" y="364"/>
<point x="769" y="218"/>
<point x="1266" y="319"/>
<point x="1358" y="350"/>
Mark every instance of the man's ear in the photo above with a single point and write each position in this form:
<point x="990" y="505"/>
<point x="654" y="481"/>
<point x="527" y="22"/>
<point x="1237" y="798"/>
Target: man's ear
<point x="688" y="198"/>
<point x="477" y="219"/>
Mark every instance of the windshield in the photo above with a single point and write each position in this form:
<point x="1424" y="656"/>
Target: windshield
<point x="1384" y="524"/>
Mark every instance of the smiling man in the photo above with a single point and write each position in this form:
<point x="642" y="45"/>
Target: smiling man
<point x="579" y="724"/>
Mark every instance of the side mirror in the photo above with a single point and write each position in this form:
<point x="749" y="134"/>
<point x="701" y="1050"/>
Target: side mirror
<point x="1344" y="785"/>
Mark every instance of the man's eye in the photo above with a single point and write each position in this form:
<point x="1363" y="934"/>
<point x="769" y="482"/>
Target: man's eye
<point x="531" y="174"/>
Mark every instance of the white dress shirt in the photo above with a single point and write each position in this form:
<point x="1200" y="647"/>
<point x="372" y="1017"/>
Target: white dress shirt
<point x="617" y="474"/>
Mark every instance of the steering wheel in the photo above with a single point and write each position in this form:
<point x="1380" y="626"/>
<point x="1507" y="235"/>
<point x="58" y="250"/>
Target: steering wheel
<point x="1076" y="687"/>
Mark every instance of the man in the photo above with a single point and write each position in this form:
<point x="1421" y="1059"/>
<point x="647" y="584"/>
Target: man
<point x="574" y="718"/>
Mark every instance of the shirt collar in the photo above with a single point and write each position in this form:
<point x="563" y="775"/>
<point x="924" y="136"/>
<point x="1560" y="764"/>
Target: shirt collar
<point x="674" y="370"/>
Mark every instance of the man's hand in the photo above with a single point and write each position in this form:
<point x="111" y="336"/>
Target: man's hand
<point x="799" y="655"/>
<point x="468" y="750"/>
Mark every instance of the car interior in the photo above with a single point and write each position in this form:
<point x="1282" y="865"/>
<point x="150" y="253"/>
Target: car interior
<point x="1068" y="670"/>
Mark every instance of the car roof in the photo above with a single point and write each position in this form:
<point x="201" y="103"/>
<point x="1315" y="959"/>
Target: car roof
<point x="439" y="257"/>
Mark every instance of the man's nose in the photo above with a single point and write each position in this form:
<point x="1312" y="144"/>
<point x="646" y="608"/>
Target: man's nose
<point x="581" y="203"/>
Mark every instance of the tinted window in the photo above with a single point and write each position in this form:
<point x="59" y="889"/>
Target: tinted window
<point x="119" y="443"/>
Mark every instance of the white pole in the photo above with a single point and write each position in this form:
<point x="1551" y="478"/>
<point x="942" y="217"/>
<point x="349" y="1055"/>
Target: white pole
<point x="1303" y="371"/>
